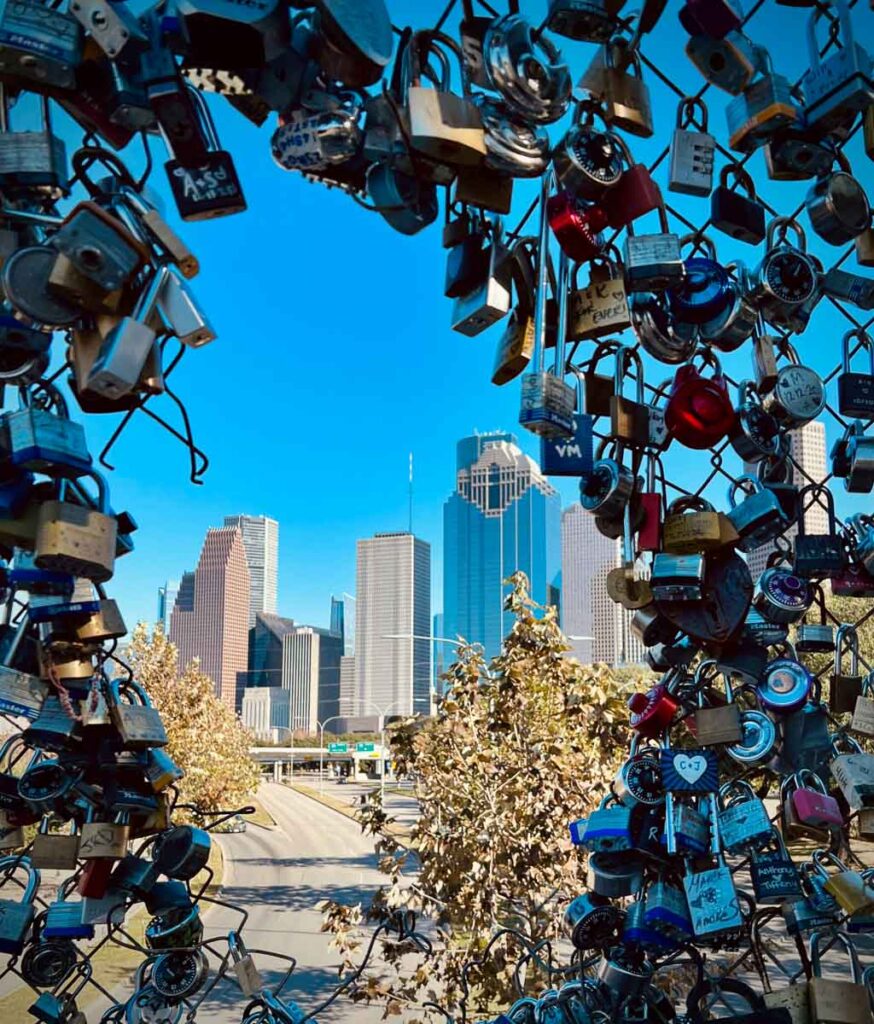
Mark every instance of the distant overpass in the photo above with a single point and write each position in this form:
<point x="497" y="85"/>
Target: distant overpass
<point x="351" y="754"/>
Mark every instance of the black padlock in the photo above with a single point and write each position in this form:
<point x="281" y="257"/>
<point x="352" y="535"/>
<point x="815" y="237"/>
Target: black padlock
<point x="818" y="555"/>
<point x="856" y="390"/>
<point x="210" y="188"/>
<point x="740" y="216"/>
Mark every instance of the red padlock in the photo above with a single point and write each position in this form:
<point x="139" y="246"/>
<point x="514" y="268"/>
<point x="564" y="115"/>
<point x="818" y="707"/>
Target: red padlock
<point x="649" y="534"/>
<point x="94" y="880"/>
<point x="652" y="712"/>
<point x="576" y="225"/>
<point x="634" y="195"/>
<point x="700" y="412"/>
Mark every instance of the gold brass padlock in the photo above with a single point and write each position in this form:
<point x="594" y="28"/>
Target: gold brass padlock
<point x="77" y="538"/>
<point x="514" y="348"/>
<point x="691" y="525"/>
<point x="865" y="247"/>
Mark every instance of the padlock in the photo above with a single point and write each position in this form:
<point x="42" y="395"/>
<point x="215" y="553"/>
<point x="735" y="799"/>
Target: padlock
<point x="836" y="1000"/>
<point x="710" y="19"/>
<point x="602" y="307"/>
<point x="11" y="834"/>
<point x="53" y="850"/>
<point x="577" y="225"/>
<point x="123" y="353"/>
<point x="740" y="216"/>
<point x="139" y="725"/>
<point x="41" y="441"/>
<point x="687" y="828"/>
<point x="785" y="684"/>
<point x="64" y="918"/>
<point x="207" y="186"/>
<point x="653" y="262"/>
<point x="608" y="828"/>
<point x="729" y="63"/>
<point x="39" y="47"/>
<point x="46" y="962"/>
<point x="692" y="152"/>
<point x="677" y="577"/>
<point x="850" y="890"/>
<point x="765" y="106"/>
<point x="179" y="311"/>
<point x="861" y="539"/>
<point x="666" y="911"/>
<point x="863" y="711"/>
<point x="856" y="390"/>
<point x="743" y="821"/>
<point x="489" y="300"/>
<point x="837" y="205"/>
<point x="840" y="85"/>
<point x="31" y="162"/>
<point x="17" y="917"/>
<point x="591" y="921"/>
<point x="782" y="597"/>
<point x="839" y="284"/>
<point x="591" y="21"/>
<point x="757" y="434"/>
<point x="629" y="420"/>
<point x="853" y="772"/>
<point x="712" y="898"/>
<point x="796" y="154"/>
<point x="699" y="412"/>
<point x="527" y="70"/>
<point x="816" y="637"/>
<point x="635" y="195"/>
<point x="720" y="723"/>
<point x="626" y="99"/>
<point x="99" y="247"/>
<point x="653" y="502"/>
<point x="691" y="525"/>
<point x="77" y="537"/>
<point x="573" y="456"/>
<point x="773" y="872"/>
<point x="818" y="555"/>
<point x="787" y="277"/>
<point x="443" y="127"/>
<point x="103" y="839"/>
<point x="705" y="292"/>
<point x="56" y="727"/>
<point x="864" y="246"/>
<point x="807" y="807"/>
<point x="589" y="161"/>
<point x="798" y="395"/>
<point x="467" y="259"/>
<point x="608" y="488"/>
<point x="515" y="147"/>
<point x="182" y="852"/>
<point x="688" y="770"/>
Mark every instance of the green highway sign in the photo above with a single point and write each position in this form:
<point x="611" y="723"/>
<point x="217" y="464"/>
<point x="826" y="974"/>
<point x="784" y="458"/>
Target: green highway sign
<point x="337" y="748"/>
<point x="365" y="748"/>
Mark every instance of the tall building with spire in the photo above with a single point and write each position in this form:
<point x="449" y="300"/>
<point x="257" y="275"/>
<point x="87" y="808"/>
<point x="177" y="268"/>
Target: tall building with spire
<point x="261" y="542"/>
<point x="503" y="516"/>
<point x="598" y="628"/>
<point x="210" y="620"/>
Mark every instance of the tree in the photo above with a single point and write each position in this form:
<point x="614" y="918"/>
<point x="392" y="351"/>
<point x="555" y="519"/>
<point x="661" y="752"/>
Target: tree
<point x="517" y="750"/>
<point x="207" y="739"/>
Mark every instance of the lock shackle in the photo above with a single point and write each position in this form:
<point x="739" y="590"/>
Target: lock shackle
<point x="8" y="867"/>
<point x="742" y="179"/>
<point x="559" y="365"/>
<point x="818" y="938"/>
<point x="630" y="56"/>
<point x="689" y="503"/>
<point x="86" y="156"/>
<point x="746" y="483"/>
<point x="686" y="113"/>
<point x="236" y="946"/>
<point x="522" y="263"/>
<point x="204" y="116"/>
<point x="846" y="637"/>
<point x="626" y="356"/>
<point x="45" y="396"/>
<point x="708" y="358"/>
<point x="700" y="243"/>
<point x="819" y="602"/>
<point x="864" y="341"/>
<point x="841" y="739"/>
<point x="546" y="188"/>
<point x="844" y="22"/>
<point x="655" y="474"/>
<point x="608" y="347"/>
<point x="816" y="490"/>
<point x="590" y="109"/>
<point x="779" y="228"/>
<point x="663" y="218"/>
<point x="130" y="686"/>
<point x="808" y="779"/>
<point x="102" y="502"/>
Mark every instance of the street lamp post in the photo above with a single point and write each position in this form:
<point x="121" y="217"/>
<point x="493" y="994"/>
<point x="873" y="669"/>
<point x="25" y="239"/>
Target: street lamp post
<point x="321" y="726"/>
<point x="285" y="728"/>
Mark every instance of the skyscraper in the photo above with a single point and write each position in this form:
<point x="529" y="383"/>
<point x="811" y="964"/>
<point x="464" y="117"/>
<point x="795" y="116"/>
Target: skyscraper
<point x="266" y="711"/>
<point x="504" y="516"/>
<point x="807" y="449"/>
<point x="265" y="650"/>
<point x="311" y="673"/>
<point x="393" y="589"/>
<point x="166" y="602"/>
<point x="348" y="690"/>
<point x="343" y="621"/>
<point x="215" y="626"/>
<point x="261" y="542"/>
<point x="586" y="609"/>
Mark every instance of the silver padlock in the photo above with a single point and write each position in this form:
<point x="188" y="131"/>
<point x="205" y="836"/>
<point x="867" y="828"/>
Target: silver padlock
<point x="489" y="301"/>
<point x="692" y="152"/>
<point x="32" y="160"/>
<point x="123" y="354"/>
<point x="181" y="313"/>
<point x="798" y="396"/>
<point x="653" y="263"/>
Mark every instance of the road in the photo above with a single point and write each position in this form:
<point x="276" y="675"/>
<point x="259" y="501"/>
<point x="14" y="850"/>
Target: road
<point x="279" y="875"/>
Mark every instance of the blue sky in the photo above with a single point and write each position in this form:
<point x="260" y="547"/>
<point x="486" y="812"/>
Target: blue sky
<point x="335" y="358"/>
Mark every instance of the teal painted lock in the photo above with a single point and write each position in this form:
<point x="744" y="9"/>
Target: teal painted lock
<point x="687" y="830"/>
<point x="64" y="918"/>
<point x="759" y="517"/>
<point x="608" y="828"/>
<point x="16" y="917"/>
<point x="55" y="728"/>
<point x="743" y="819"/>
<point x="666" y="911"/>
<point x="712" y="899"/>
<point x="840" y="85"/>
<point x="41" y="441"/>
